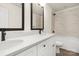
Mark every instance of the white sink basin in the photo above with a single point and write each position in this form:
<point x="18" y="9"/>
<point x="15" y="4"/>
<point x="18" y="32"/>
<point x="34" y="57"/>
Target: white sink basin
<point x="9" y="44"/>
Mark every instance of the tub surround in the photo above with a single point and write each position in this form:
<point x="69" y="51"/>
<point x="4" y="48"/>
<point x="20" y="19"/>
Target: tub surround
<point x="28" y="41"/>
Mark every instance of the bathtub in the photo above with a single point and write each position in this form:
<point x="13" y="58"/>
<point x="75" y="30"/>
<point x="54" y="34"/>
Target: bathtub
<point x="69" y="42"/>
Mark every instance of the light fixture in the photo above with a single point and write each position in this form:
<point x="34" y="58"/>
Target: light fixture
<point x="42" y="4"/>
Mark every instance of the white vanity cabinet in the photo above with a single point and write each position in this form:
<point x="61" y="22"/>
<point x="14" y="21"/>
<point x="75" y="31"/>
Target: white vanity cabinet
<point x="47" y="48"/>
<point x="52" y="47"/>
<point x="44" y="48"/>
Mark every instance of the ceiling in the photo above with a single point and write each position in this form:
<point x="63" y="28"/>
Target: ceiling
<point x="61" y="6"/>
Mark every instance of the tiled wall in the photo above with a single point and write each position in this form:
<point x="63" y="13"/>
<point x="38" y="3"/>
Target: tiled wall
<point x="67" y="22"/>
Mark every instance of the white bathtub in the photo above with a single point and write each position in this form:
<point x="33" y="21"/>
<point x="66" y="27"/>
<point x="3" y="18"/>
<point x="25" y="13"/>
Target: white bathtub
<point x="69" y="43"/>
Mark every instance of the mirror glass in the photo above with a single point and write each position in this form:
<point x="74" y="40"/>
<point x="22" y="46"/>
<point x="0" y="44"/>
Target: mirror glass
<point x="37" y="16"/>
<point x="10" y="15"/>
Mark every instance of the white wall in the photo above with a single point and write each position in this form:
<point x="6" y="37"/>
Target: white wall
<point x="48" y="19"/>
<point x="67" y="22"/>
<point x="27" y="17"/>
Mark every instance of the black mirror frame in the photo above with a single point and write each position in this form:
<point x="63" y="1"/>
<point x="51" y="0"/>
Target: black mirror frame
<point x="16" y="29"/>
<point x="32" y="20"/>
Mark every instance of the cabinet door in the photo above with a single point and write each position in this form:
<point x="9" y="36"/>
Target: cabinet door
<point x="47" y="48"/>
<point x="30" y="52"/>
<point x="51" y="46"/>
<point x="43" y="49"/>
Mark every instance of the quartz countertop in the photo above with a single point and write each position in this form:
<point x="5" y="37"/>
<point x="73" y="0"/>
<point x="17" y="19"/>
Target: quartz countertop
<point x="28" y="42"/>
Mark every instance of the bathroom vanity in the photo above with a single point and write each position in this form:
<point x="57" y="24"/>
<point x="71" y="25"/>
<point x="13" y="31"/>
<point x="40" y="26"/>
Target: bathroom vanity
<point x="34" y="45"/>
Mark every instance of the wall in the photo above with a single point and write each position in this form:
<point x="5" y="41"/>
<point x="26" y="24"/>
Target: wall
<point x="27" y="17"/>
<point x="67" y="22"/>
<point x="48" y="19"/>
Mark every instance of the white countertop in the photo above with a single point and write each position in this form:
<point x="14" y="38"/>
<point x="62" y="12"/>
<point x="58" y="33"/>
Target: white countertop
<point x="28" y="41"/>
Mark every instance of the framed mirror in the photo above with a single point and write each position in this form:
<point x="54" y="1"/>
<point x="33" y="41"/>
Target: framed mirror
<point x="11" y="16"/>
<point x="37" y="17"/>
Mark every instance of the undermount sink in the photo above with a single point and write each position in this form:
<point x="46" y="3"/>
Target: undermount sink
<point x="9" y="44"/>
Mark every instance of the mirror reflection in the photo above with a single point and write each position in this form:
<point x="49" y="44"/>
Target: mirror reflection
<point x="37" y="16"/>
<point x="10" y="15"/>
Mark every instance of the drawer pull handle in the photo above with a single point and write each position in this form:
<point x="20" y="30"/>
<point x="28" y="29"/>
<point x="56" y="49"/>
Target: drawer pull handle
<point x="44" y="45"/>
